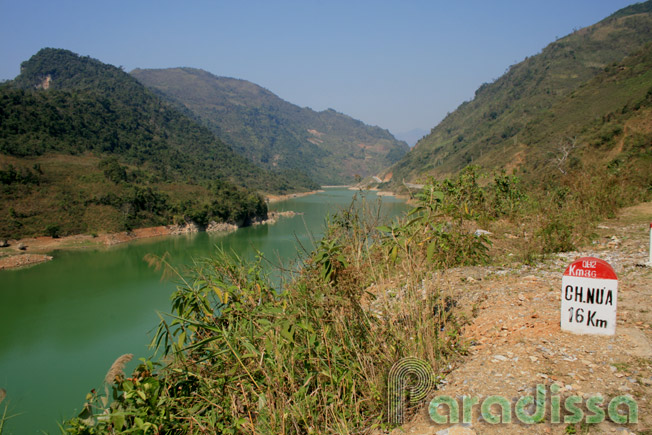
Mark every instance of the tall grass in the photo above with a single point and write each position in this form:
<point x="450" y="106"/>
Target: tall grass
<point x="243" y="356"/>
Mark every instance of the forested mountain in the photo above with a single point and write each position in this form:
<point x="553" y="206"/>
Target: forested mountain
<point x="78" y="135"/>
<point x="330" y="147"/>
<point x="574" y="98"/>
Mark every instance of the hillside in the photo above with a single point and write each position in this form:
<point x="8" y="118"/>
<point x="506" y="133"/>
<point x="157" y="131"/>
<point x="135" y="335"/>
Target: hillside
<point x="529" y="112"/>
<point x="85" y="147"/>
<point x="517" y="343"/>
<point x="330" y="147"/>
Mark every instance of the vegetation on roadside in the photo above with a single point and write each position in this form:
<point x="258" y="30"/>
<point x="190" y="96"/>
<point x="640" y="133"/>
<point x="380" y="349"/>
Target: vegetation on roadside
<point x="311" y="356"/>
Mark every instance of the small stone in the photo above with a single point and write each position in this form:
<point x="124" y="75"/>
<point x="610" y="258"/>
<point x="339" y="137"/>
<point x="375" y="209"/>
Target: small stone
<point x="500" y="358"/>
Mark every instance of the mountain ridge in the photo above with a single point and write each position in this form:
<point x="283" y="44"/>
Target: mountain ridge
<point x="84" y="147"/>
<point x="333" y="148"/>
<point x="488" y="130"/>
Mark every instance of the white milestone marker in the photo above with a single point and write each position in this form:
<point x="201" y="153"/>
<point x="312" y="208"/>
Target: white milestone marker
<point x="589" y="294"/>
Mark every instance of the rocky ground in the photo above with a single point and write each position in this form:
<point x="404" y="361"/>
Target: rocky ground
<point x="515" y="340"/>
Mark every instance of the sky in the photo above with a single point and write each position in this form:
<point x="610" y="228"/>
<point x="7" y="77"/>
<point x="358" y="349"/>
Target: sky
<point x="401" y="65"/>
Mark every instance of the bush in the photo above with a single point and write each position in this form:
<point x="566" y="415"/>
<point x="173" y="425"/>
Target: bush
<point x="243" y="355"/>
<point x="52" y="230"/>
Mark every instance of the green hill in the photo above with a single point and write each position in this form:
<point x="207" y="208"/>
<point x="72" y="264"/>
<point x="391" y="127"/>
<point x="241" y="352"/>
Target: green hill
<point x="84" y="147"/>
<point x="523" y="118"/>
<point x="331" y="147"/>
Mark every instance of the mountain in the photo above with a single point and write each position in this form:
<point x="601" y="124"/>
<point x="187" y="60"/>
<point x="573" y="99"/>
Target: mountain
<point x="330" y="147"/>
<point x="508" y="123"/>
<point x="85" y="147"/>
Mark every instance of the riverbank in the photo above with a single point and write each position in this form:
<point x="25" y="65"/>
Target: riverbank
<point x="277" y="198"/>
<point x="34" y="250"/>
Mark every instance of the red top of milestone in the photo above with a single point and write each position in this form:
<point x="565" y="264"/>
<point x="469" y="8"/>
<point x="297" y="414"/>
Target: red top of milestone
<point x="590" y="267"/>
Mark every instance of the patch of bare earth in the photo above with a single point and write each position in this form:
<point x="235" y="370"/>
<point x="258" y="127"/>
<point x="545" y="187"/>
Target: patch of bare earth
<point x="22" y="260"/>
<point x="515" y="341"/>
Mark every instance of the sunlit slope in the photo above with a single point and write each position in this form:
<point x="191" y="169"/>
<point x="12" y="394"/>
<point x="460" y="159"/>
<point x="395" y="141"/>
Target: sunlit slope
<point x="504" y="126"/>
<point x="329" y="146"/>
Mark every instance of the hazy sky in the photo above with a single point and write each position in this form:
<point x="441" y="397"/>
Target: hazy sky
<point x="397" y="64"/>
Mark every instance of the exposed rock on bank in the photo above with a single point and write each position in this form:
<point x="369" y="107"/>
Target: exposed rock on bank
<point x="274" y="216"/>
<point x="17" y="261"/>
<point x="220" y="227"/>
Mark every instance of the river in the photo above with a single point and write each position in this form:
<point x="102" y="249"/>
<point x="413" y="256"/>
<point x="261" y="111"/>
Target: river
<point x="63" y="323"/>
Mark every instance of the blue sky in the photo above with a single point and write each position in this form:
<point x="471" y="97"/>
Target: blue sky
<point x="397" y="64"/>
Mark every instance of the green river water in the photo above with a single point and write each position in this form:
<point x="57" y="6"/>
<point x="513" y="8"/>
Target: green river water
<point x="63" y="323"/>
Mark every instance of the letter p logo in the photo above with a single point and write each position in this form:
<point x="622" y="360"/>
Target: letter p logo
<point x="409" y="378"/>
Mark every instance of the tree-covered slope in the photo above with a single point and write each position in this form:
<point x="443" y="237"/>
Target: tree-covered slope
<point x="72" y="104"/>
<point x="329" y="146"/>
<point x="493" y="130"/>
<point x="85" y="147"/>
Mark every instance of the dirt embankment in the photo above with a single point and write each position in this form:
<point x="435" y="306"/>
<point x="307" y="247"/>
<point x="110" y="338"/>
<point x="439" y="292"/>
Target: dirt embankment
<point x="515" y="340"/>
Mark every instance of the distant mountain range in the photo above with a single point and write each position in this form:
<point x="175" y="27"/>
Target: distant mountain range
<point x="330" y="147"/>
<point x="582" y="95"/>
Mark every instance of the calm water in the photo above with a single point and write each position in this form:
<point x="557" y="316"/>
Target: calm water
<point x="63" y="323"/>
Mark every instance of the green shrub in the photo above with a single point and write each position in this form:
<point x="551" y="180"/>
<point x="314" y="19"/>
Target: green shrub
<point x="52" y="230"/>
<point x="243" y="355"/>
